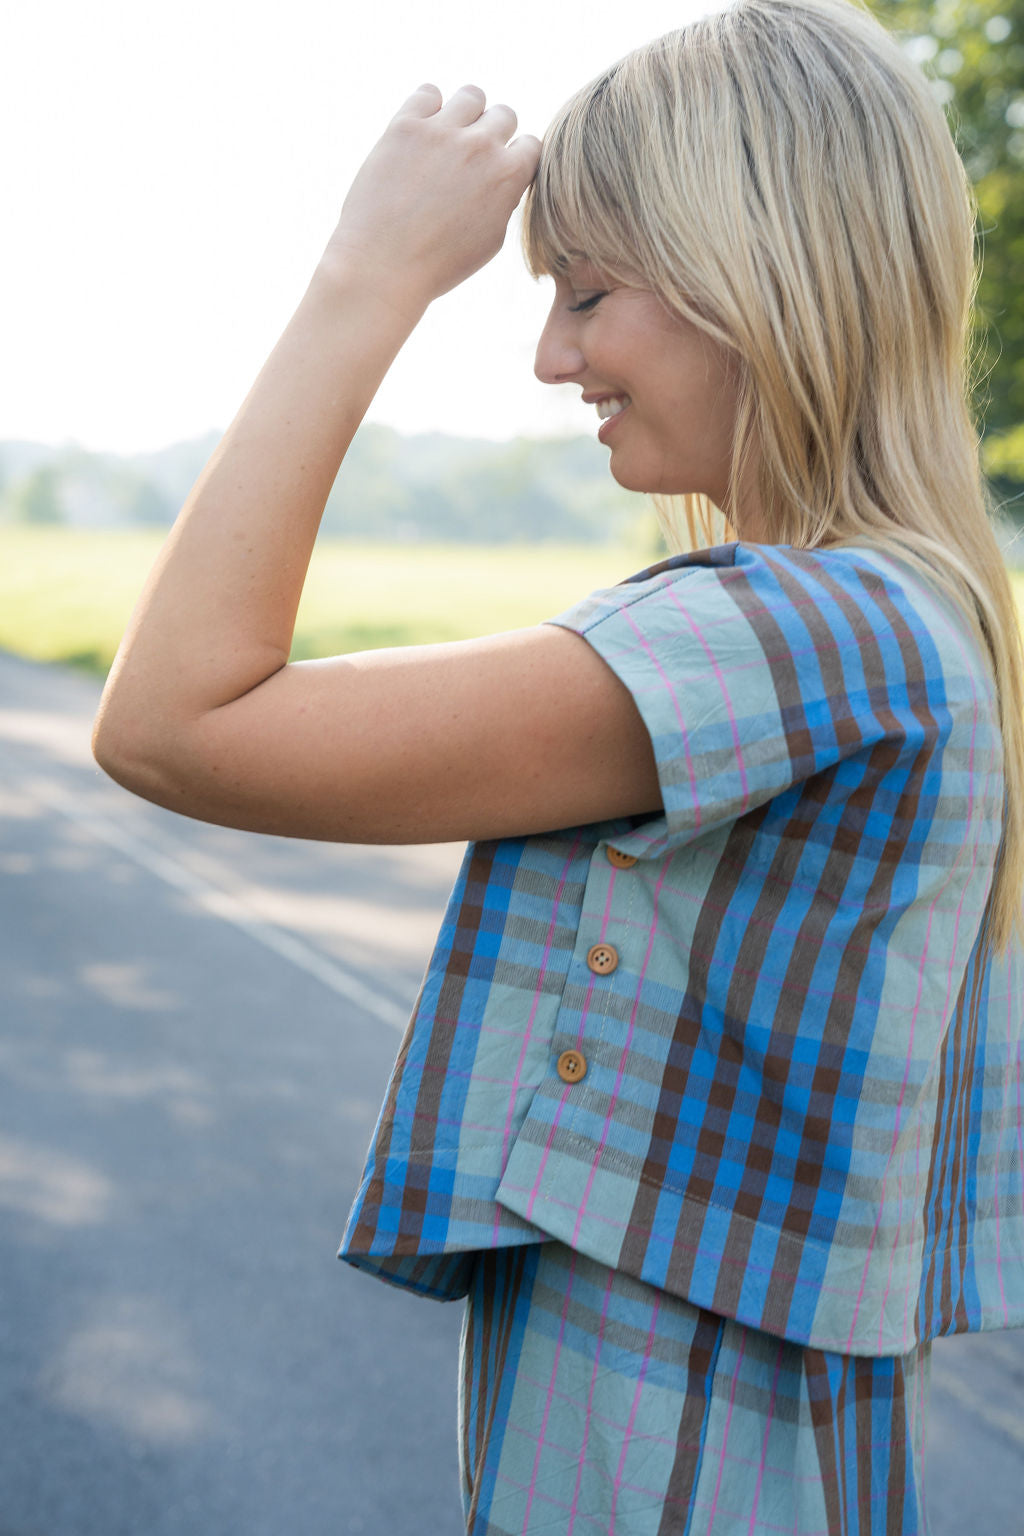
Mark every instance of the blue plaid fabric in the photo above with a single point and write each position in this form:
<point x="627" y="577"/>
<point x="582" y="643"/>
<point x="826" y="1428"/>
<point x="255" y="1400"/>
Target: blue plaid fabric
<point x="592" y="1404"/>
<point x="801" y="1105"/>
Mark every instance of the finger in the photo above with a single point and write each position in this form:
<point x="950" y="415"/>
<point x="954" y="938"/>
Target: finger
<point x="466" y="105"/>
<point x="526" y="150"/>
<point x="500" y="120"/>
<point x="424" y="102"/>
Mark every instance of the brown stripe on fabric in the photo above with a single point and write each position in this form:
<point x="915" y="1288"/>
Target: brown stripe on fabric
<point x="826" y="1419"/>
<point x="491" y="1315"/>
<point x="366" y="1228"/>
<point x="675" y="1079"/>
<point x="816" y="1132"/>
<point x="439" y="1050"/>
<point x="423" y="1133"/>
<point x="804" y="952"/>
<point x="846" y="841"/>
<point x="733" y="1268"/>
<point x="748" y="962"/>
<point x="863" y="1398"/>
<point x="728" y="874"/>
<point x="682" y="1483"/>
<point x="814" y="796"/>
<point x="896" y="1492"/>
<point x="904" y="818"/>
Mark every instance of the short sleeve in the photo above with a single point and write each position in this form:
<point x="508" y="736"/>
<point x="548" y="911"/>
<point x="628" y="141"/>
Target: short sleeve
<point x="757" y="669"/>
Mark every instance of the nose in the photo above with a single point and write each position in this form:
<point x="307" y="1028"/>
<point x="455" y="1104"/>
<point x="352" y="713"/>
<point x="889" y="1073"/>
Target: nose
<point x="559" y="359"/>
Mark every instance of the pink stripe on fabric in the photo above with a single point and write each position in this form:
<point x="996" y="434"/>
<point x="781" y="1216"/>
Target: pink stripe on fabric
<point x="568" y="1452"/>
<point x="542" y="1497"/>
<point x="764" y="1444"/>
<point x="550" y="1393"/>
<point x="527" y="1037"/>
<point x="623" y="1059"/>
<point x="656" y="664"/>
<point x="883" y="1443"/>
<point x="557" y="1117"/>
<point x="770" y="1525"/>
<point x="590" y="1403"/>
<point x="725" y="1435"/>
<point x="648" y="1351"/>
<point x="720" y="679"/>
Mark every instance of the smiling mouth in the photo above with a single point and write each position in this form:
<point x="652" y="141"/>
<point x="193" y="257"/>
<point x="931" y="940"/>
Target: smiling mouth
<point x="611" y="406"/>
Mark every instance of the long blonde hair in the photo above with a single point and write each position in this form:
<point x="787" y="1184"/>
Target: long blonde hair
<point x="781" y="175"/>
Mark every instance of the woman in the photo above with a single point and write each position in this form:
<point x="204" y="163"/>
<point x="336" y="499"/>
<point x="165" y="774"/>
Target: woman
<point x="710" y="1105"/>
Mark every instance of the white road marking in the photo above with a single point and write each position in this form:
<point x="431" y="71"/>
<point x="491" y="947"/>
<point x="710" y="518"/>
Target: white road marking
<point x="220" y="903"/>
<point x="990" y="1414"/>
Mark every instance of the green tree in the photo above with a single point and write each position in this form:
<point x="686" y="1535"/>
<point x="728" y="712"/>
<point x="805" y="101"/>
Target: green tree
<point x="974" y="52"/>
<point x="37" y="499"/>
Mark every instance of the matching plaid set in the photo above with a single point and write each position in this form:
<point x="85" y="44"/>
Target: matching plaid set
<point x="795" y="1111"/>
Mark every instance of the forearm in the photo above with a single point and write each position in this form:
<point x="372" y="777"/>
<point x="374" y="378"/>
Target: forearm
<point x="428" y="208"/>
<point x="217" y="614"/>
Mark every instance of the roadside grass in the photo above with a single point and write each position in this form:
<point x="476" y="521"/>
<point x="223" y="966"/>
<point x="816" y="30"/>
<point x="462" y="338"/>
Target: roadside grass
<point x="66" y="593"/>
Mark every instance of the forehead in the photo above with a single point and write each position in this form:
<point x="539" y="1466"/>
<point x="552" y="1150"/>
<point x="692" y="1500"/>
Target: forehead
<point x="581" y="271"/>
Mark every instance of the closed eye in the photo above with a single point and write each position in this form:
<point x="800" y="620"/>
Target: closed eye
<point x="585" y="304"/>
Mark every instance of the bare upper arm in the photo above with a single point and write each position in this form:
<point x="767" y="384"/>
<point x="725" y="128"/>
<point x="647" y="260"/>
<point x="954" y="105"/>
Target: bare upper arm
<point x="516" y="733"/>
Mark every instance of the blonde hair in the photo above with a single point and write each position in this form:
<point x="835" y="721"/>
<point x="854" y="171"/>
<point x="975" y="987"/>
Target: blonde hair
<point x="781" y="175"/>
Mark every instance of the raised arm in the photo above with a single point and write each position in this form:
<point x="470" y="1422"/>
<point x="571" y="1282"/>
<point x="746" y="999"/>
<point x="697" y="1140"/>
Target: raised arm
<point x="202" y="711"/>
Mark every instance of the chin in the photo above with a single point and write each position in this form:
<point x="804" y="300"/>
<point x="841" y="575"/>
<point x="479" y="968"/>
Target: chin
<point x="631" y="481"/>
<point x="649" y="483"/>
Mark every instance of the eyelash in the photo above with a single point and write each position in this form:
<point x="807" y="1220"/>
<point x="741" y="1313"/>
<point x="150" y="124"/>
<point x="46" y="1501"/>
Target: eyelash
<point x="585" y="304"/>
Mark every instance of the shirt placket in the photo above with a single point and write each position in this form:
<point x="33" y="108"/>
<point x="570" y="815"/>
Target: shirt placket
<point x="602" y="945"/>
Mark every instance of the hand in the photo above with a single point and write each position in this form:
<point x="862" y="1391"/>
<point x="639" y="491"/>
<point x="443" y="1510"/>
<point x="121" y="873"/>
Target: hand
<point x="431" y="204"/>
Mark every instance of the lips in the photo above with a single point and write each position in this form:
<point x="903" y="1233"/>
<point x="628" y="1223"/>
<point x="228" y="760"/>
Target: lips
<point x="610" y="408"/>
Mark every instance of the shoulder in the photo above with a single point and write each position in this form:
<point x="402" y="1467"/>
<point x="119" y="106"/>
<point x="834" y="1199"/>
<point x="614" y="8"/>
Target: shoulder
<point x="859" y="605"/>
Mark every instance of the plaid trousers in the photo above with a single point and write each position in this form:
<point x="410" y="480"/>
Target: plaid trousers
<point x="594" y="1405"/>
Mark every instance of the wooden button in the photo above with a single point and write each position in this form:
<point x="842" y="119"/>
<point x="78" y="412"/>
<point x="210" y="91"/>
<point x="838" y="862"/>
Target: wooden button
<point x="572" y="1065"/>
<point x="602" y="959"/>
<point x="620" y="860"/>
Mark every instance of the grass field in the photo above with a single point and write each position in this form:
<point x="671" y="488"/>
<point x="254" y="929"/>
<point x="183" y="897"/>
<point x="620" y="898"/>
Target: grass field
<point x="66" y="594"/>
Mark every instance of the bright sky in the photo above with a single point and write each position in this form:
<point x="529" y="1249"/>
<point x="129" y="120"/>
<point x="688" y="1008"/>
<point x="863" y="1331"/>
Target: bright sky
<point x="173" y="170"/>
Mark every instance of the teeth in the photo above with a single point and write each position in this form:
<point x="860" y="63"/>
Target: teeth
<point x="612" y="406"/>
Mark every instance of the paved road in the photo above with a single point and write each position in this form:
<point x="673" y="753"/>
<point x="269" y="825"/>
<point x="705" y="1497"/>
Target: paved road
<point x="195" y="1029"/>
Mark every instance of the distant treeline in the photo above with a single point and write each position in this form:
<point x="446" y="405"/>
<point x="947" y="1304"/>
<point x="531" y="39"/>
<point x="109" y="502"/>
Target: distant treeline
<point x="390" y="486"/>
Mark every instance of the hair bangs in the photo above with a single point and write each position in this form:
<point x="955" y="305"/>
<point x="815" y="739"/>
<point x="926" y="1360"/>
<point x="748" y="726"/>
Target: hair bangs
<point x="572" y="212"/>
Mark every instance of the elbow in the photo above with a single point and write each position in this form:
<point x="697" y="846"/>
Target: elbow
<point x="122" y="763"/>
<point x="132" y="757"/>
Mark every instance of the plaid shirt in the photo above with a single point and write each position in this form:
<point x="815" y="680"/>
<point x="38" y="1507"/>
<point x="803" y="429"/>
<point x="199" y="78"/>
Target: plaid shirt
<point x="801" y="1104"/>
